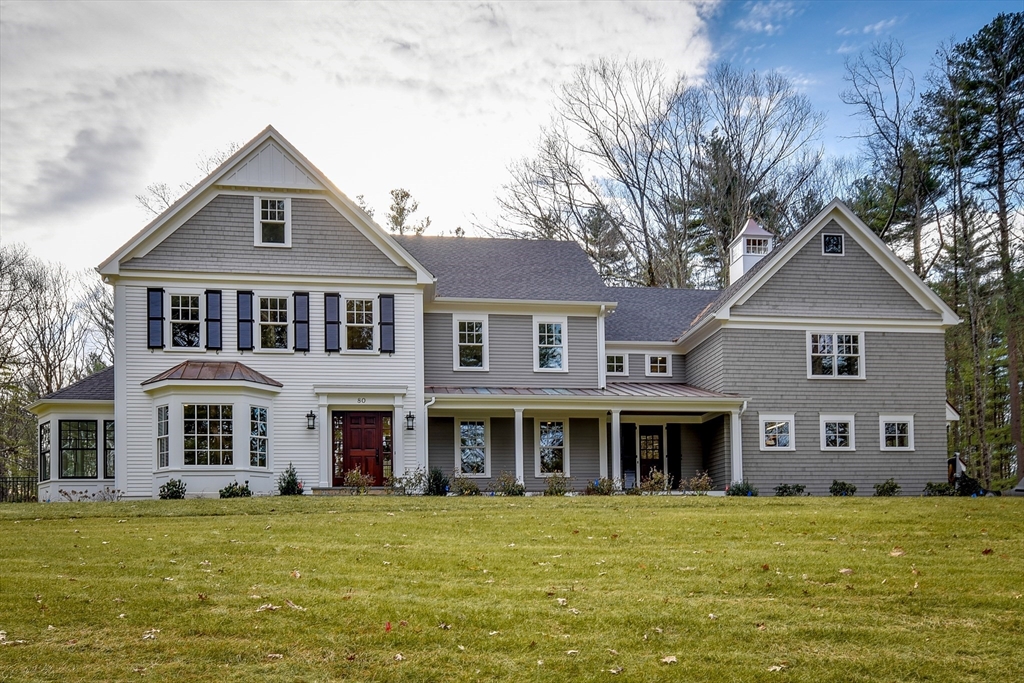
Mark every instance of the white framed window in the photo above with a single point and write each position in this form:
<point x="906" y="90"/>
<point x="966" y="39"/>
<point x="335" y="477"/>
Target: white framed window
<point x="185" y="320"/>
<point x="835" y="354"/>
<point x="552" y="447"/>
<point x="258" y="436"/>
<point x="837" y="433"/>
<point x="896" y="432"/>
<point x="359" y="327"/>
<point x="659" y="365"/>
<point x="473" y="451"/>
<point x="832" y="244"/>
<point x="470" y="335"/>
<point x="757" y="245"/>
<point x="163" y="436"/>
<point x="778" y="432"/>
<point x="273" y="222"/>
<point x="208" y="434"/>
<point x="274" y="333"/>
<point x="549" y="345"/>
<point x="617" y="364"/>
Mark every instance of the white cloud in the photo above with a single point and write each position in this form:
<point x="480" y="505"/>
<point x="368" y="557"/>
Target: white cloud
<point x="767" y="17"/>
<point x="876" y="28"/>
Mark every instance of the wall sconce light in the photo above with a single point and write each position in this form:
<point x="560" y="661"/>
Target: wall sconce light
<point x="410" y="421"/>
<point x="311" y="420"/>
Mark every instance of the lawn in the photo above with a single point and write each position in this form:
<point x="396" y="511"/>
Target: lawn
<point x="527" y="589"/>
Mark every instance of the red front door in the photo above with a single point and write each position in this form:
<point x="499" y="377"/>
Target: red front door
<point x="358" y="444"/>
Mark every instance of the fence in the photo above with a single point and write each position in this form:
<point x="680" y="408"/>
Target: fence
<point x="18" y="489"/>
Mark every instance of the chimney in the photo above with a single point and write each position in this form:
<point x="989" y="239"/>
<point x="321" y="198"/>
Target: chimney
<point x="749" y="247"/>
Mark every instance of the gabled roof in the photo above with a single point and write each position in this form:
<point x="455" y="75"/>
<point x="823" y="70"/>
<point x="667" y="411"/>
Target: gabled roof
<point x="95" y="387"/>
<point x="654" y="314"/>
<point x="494" y="268"/>
<point x="201" y="370"/>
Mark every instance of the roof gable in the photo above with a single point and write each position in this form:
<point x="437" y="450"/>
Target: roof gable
<point x="270" y="167"/>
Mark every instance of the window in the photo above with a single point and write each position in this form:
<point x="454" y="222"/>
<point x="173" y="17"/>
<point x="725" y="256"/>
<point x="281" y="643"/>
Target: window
<point x="837" y="433"/>
<point x="471" y="344"/>
<point x="659" y="365"/>
<point x="163" y="449"/>
<point x="185" y="325"/>
<point x="777" y="433"/>
<point x="552" y="453"/>
<point x="359" y="324"/>
<point x="208" y="434"/>
<point x="78" y="449"/>
<point x="273" y="322"/>
<point x="472" y="455"/>
<point x="108" y="449"/>
<point x="549" y="345"/>
<point x="273" y="222"/>
<point x="896" y="432"/>
<point x="832" y="245"/>
<point x="257" y="436"/>
<point x="835" y="354"/>
<point x="44" y="451"/>
<point x="616" y="365"/>
<point x="758" y="245"/>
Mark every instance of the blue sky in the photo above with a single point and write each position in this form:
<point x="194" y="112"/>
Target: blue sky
<point x="99" y="99"/>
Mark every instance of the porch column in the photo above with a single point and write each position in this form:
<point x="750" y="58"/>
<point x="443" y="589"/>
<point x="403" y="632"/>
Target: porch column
<point x="737" y="446"/>
<point x="616" y="445"/>
<point x="519" y="445"/>
<point x="602" y="446"/>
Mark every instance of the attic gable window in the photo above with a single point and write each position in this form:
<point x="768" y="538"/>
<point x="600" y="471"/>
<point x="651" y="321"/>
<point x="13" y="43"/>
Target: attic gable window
<point x="757" y="245"/>
<point x="832" y="245"/>
<point x="273" y="222"/>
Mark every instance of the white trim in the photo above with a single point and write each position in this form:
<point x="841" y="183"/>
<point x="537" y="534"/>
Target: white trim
<point x="374" y="349"/>
<point x="951" y="413"/>
<point x="602" y="376"/>
<point x="535" y="341"/>
<point x="625" y="364"/>
<point x="758" y="322"/>
<point x="849" y="418"/>
<point x="736" y="434"/>
<point x="289" y="325"/>
<point x="536" y="445"/>
<point x="668" y="365"/>
<point x="842" y="238"/>
<point x="470" y="318"/>
<point x="169" y="346"/>
<point x="909" y="419"/>
<point x="616" y="444"/>
<point x="458" y="446"/>
<point x="861" y="353"/>
<point x="519" y="445"/>
<point x="762" y="418"/>
<point x="257" y="236"/>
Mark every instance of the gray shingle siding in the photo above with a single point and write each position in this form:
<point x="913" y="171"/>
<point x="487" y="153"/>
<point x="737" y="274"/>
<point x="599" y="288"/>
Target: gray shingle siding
<point x="717" y="440"/>
<point x="219" y="239"/>
<point x="705" y="364"/>
<point x="638" y="369"/>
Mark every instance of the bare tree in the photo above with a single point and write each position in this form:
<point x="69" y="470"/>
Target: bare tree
<point x="158" y="197"/>
<point x="98" y="305"/>
<point x="403" y="206"/>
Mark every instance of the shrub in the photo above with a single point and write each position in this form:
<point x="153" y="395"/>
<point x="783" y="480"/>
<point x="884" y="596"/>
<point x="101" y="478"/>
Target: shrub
<point x="437" y="483"/>
<point x="174" y="489"/>
<point x="656" y="482"/>
<point x="889" y="487"/>
<point x="106" y="495"/>
<point x="790" y="490"/>
<point x="357" y="481"/>
<point x="967" y="486"/>
<point x="288" y="483"/>
<point x="411" y="483"/>
<point x="600" y="487"/>
<point x="634" y="491"/>
<point x="506" y="484"/>
<point x="236" y="490"/>
<point x="841" y="488"/>
<point x="741" y="488"/>
<point x="464" y="486"/>
<point x="942" y="488"/>
<point x="558" y="485"/>
<point x="700" y="483"/>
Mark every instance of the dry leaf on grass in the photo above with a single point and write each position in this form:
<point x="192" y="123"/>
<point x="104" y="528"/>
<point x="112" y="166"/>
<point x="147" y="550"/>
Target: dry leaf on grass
<point x="296" y="574"/>
<point x="671" y="659"/>
<point x="275" y="656"/>
<point x="444" y="627"/>
<point x="897" y="552"/>
<point x="572" y="652"/>
<point x="613" y="652"/>
<point x="845" y="571"/>
<point x="399" y="657"/>
<point x="986" y="551"/>
<point x="268" y="608"/>
<point x="615" y="670"/>
<point x="712" y="616"/>
<point x="150" y="634"/>
<point x="563" y="602"/>
<point x="777" y="667"/>
<point x="294" y="606"/>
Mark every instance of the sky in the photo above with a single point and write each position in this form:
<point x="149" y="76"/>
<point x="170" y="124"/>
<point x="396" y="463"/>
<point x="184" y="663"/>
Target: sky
<point x="98" y="100"/>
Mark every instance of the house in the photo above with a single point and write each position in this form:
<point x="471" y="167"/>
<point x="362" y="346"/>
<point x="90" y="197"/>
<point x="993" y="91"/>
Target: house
<point x="265" y="319"/>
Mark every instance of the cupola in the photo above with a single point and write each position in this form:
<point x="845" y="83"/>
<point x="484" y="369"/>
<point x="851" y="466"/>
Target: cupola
<point x="750" y="246"/>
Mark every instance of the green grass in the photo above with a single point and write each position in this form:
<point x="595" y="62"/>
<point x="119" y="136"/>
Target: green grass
<point x="638" y="576"/>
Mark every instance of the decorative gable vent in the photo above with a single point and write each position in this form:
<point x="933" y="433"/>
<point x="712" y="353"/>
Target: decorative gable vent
<point x="749" y="247"/>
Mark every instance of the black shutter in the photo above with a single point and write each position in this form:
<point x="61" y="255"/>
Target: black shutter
<point x="302" y="321"/>
<point x="214" y="328"/>
<point x="332" y="328"/>
<point x="387" y="323"/>
<point x="245" y="321"/>
<point x="155" y="318"/>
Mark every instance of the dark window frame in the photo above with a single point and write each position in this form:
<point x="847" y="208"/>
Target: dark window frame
<point x="61" y="449"/>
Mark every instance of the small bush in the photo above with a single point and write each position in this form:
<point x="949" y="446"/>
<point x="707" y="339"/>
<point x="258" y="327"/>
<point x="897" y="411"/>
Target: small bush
<point x="558" y="485"/>
<point x="741" y="488"/>
<point x="464" y="486"/>
<point x="174" y="489"/>
<point x="889" y="487"/>
<point x="600" y="487"/>
<point x="357" y="481"/>
<point x="411" y="483"/>
<point x="942" y="488"/>
<point x="656" y="482"/>
<point x="106" y="495"/>
<point x="700" y="483"/>
<point x="789" y="490"/>
<point x="288" y="483"/>
<point x="634" y="491"/>
<point x="437" y="483"/>
<point x="967" y="486"/>
<point x="506" y="484"/>
<point x="236" y="490"/>
<point x="841" y="488"/>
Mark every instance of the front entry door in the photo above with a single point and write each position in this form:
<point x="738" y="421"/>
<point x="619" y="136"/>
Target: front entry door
<point x="360" y="439"/>
<point x="651" y="449"/>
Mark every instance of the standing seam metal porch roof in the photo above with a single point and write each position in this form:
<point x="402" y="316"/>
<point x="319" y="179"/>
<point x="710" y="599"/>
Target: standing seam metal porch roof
<point x="614" y="390"/>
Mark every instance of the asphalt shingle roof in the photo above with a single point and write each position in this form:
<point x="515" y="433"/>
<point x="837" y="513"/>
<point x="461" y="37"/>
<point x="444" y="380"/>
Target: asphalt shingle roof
<point x="95" y="387"/>
<point x="654" y="313"/>
<point x="494" y="268"/>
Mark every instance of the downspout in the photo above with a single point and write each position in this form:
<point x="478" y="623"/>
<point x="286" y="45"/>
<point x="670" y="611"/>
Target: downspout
<point x="426" y="434"/>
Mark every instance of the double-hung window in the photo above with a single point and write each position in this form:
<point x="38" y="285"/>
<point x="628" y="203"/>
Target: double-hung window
<point x="208" y="431"/>
<point x="79" y="449"/>
<point x="835" y="354"/>
<point x="837" y="433"/>
<point x="163" y="437"/>
<point x="777" y="432"/>
<point x="273" y="222"/>
<point x="552" y="447"/>
<point x="273" y="322"/>
<point x="659" y="365"/>
<point x="549" y="345"/>
<point x="473" y="460"/>
<point x="896" y="432"/>
<point x="186" y="328"/>
<point x="471" y="343"/>
<point x="359" y="324"/>
<point x="616" y="364"/>
<point x="258" y="436"/>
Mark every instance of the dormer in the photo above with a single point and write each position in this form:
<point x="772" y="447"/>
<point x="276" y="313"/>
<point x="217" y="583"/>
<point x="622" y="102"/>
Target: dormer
<point x="749" y="247"/>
